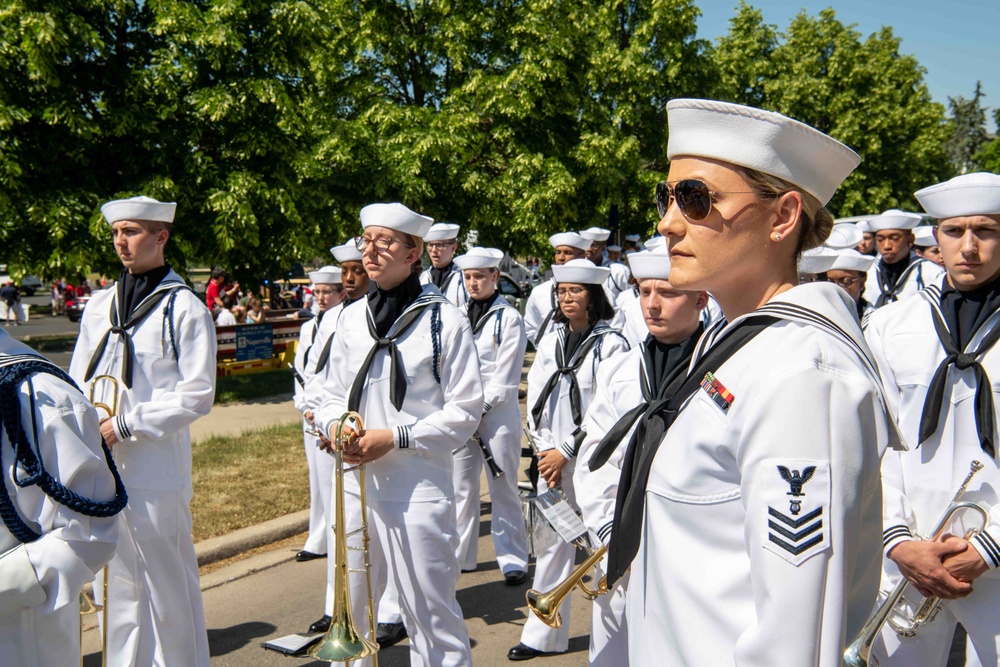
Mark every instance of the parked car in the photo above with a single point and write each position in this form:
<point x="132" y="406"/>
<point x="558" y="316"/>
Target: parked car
<point x="74" y="307"/>
<point x="28" y="286"/>
<point x="513" y="292"/>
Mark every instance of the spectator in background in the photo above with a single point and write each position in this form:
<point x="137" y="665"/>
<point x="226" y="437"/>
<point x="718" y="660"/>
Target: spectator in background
<point x="12" y="298"/>
<point x="58" y="299"/>
<point x="255" y="311"/>
<point x="218" y="288"/>
<point x="240" y="313"/>
<point x="83" y="289"/>
<point x="225" y="317"/>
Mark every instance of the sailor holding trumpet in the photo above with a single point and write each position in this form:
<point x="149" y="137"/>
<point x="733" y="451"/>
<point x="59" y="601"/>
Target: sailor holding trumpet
<point x="937" y="354"/>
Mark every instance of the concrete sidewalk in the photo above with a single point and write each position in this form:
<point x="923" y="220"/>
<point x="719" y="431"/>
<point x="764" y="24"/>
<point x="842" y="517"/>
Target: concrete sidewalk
<point x="237" y="418"/>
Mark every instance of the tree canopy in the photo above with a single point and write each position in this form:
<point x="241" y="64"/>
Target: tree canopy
<point x="272" y="122"/>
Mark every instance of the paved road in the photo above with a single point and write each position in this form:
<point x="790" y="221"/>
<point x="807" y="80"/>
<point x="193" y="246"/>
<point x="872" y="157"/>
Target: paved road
<point x="270" y="595"/>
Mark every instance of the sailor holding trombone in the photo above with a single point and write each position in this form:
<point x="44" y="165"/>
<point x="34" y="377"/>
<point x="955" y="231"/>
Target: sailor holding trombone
<point x="937" y="354"/>
<point x="404" y="359"/>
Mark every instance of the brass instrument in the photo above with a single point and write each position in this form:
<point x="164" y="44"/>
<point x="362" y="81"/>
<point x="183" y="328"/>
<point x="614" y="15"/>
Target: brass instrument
<point x="343" y="642"/>
<point x="88" y="603"/>
<point x="894" y="609"/>
<point x="546" y="605"/>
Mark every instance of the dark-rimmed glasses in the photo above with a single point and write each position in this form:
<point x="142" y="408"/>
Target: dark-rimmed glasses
<point x="381" y="244"/>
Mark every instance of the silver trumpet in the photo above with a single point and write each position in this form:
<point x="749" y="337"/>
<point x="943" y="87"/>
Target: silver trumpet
<point x="894" y="610"/>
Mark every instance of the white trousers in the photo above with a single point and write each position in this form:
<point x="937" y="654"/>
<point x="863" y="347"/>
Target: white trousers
<point x="156" y="616"/>
<point x="552" y="566"/>
<point x="416" y="543"/>
<point x="510" y="539"/>
<point x="608" y="627"/>
<point x="320" y="490"/>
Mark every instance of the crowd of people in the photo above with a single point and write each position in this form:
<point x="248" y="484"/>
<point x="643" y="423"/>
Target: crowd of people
<point x="760" y="415"/>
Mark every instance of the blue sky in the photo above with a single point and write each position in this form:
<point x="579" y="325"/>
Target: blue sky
<point x="957" y="43"/>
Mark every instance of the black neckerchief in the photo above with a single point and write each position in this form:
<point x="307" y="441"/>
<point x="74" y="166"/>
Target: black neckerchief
<point x="441" y="276"/>
<point x="387" y="305"/>
<point x="892" y="272"/>
<point x="478" y="308"/>
<point x="137" y="286"/>
<point x="889" y="275"/>
<point x="573" y="340"/>
<point x="965" y="312"/>
<point x="661" y="363"/>
<point x="946" y="320"/>
<point x="649" y="434"/>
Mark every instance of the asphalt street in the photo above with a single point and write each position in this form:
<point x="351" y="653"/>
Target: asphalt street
<point x="45" y="325"/>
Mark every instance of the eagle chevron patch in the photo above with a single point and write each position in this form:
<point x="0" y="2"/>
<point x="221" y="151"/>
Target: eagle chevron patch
<point x="796" y="500"/>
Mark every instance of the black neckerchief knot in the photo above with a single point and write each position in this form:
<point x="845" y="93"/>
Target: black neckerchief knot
<point x="650" y="432"/>
<point x="564" y="369"/>
<point x="984" y="407"/>
<point x="397" y="371"/>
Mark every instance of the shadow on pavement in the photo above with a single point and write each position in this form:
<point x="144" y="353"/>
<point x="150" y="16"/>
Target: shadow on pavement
<point x="226" y="640"/>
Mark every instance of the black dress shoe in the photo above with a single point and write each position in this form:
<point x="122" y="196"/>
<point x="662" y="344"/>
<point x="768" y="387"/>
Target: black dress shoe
<point x="304" y="555"/>
<point x="522" y="652"/>
<point x="387" y="634"/>
<point x="322" y="625"/>
<point x="515" y="577"/>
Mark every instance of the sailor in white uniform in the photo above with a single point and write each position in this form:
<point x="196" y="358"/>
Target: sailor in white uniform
<point x="626" y="385"/>
<point x="938" y="357"/>
<point x="500" y="342"/>
<point x="848" y="269"/>
<point x="561" y="383"/>
<point x="898" y="271"/>
<point x="156" y="336"/>
<point x="541" y="307"/>
<point x="312" y="348"/>
<point x="441" y="244"/>
<point x="926" y="246"/>
<point x="404" y="358"/>
<point x="751" y="525"/>
<point x="51" y="544"/>
<point x="618" y="279"/>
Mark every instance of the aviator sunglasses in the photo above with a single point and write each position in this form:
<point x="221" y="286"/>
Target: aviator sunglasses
<point x="694" y="199"/>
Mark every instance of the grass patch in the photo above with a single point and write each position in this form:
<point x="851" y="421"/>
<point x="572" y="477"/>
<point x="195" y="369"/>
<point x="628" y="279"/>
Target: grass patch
<point x="238" y="388"/>
<point x="244" y="480"/>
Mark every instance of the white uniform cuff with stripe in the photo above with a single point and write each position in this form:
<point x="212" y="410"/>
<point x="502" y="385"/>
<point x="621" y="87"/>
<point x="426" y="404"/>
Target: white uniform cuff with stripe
<point x="893" y="535"/>
<point x="121" y="428"/>
<point x="988" y="548"/>
<point x="604" y="532"/>
<point x="402" y="437"/>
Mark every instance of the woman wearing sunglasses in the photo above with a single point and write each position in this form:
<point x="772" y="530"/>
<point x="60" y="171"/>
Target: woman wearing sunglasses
<point x="752" y="526"/>
<point x="561" y="383"/>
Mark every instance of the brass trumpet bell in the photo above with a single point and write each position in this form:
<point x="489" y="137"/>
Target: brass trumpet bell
<point x="546" y="605"/>
<point x="343" y="643"/>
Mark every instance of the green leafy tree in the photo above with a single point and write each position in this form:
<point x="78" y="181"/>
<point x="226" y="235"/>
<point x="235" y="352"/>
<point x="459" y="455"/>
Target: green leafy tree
<point x="863" y="92"/>
<point x="968" y="130"/>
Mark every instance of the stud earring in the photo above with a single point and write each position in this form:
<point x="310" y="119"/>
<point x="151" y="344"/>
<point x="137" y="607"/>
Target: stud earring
<point x="777" y="237"/>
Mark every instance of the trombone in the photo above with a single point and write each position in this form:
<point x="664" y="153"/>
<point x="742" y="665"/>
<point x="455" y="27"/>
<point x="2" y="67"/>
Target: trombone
<point x="88" y="603"/>
<point x="343" y="642"/>
<point x="893" y="610"/>
<point x="546" y="605"/>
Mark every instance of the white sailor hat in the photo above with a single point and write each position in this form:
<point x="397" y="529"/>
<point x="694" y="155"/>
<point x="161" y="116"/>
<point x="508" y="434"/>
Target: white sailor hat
<point x="348" y="252"/>
<point x="656" y="242"/>
<point x="614" y="248"/>
<point x="968" y="194"/>
<point x="139" y="208"/>
<point x="851" y="260"/>
<point x="844" y="235"/>
<point x="395" y="216"/>
<point x="571" y="239"/>
<point x="894" y="219"/>
<point x="327" y="275"/>
<point x="479" y="258"/>
<point x="442" y="231"/>
<point x="760" y="140"/>
<point x="596" y="234"/>
<point x="923" y="236"/>
<point x="817" y="260"/>
<point x="863" y="227"/>
<point x="650" y="264"/>
<point x="632" y="238"/>
<point x="581" y="271"/>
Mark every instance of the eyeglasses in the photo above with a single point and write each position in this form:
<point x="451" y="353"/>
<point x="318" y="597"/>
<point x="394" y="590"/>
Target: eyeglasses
<point x="694" y="199"/>
<point x="381" y="244"/>
<point x="845" y="282"/>
<point x="570" y="292"/>
<point x="441" y="245"/>
<point x="327" y="292"/>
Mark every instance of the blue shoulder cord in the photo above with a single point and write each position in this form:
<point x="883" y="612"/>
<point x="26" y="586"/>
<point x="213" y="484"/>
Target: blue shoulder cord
<point x="30" y="460"/>
<point x="436" y="340"/>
